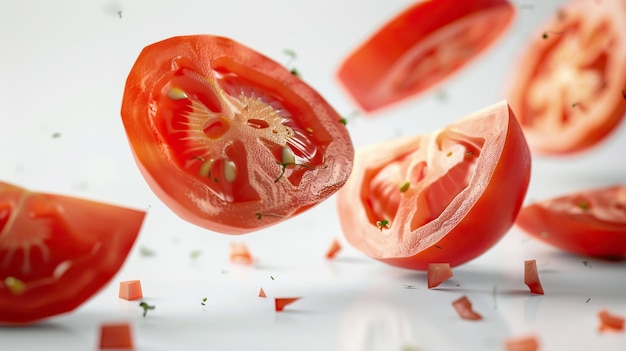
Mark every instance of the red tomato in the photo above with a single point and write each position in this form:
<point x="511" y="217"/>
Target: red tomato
<point x="438" y="197"/>
<point x="531" y="277"/>
<point x="57" y="251"/>
<point x="569" y="87"/>
<point x="229" y="139"/>
<point x="438" y="273"/>
<point x="589" y="223"/>
<point x="463" y="306"/>
<point x="421" y="47"/>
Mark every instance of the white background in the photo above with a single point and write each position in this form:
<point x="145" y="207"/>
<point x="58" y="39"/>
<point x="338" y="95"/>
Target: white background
<point x="63" y="65"/>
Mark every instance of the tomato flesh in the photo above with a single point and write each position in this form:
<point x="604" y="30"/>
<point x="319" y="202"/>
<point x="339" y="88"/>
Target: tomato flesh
<point x="57" y="251"/>
<point x="438" y="273"/>
<point x="463" y="306"/>
<point x="229" y="139"/>
<point x="568" y="88"/>
<point x="588" y="223"/>
<point x="409" y="55"/>
<point x="531" y="277"/>
<point x="452" y="209"/>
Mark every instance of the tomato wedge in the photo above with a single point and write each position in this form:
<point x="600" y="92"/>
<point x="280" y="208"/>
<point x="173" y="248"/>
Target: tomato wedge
<point x="610" y="321"/>
<point x="568" y="89"/>
<point x="229" y="139"/>
<point x="589" y="223"/>
<point x="420" y="47"/>
<point x="438" y="273"/>
<point x="438" y="197"/>
<point x="57" y="251"/>
<point x="463" y="307"/>
<point x="531" y="277"/>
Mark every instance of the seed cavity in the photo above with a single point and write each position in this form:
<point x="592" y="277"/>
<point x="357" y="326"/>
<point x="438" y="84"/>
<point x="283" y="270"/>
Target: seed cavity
<point x="230" y="171"/>
<point x="177" y="94"/>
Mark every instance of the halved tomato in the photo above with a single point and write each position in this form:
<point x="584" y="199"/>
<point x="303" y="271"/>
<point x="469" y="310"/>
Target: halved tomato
<point x="420" y="47"/>
<point x="569" y="87"/>
<point x="588" y="223"/>
<point x="229" y="139"/>
<point x="57" y="251"/>
<point x="442" y="197"/>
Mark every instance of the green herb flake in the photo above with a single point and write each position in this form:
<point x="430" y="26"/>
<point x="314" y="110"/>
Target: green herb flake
<point x="409" y="286"/>
<point x="586" y="263"/>
<point x="203" y="303"/>
<point x="294" y="72"/>
<point x="544" y="35"/>
<point x="382" y="224"/>
<point x="145" y="251"/>
<point x="272" y="277"/>
<point x="258" y="215"/>
<point x="343" y="121"/>
<point x="405" y="186"/>
<point x="146" y="307"/>
<point x="588" y="299"/>
<point x="584" y="205"/>
<point x="195" y="254"/>
<point x="56" y="135"/>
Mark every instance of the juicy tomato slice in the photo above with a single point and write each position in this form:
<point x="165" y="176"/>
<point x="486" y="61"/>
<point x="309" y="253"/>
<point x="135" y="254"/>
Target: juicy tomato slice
<point x="421" y="47"/>
<point x="463" y="307"/>
<point x="438" y="273"/>
<point x="438" y="197"/>
<point x="57" y="251"/>
<point x="531" y="277"/>
<point x="569" y="88"/>
<point x="229" y="139"/>
<point x="589" y="223"/>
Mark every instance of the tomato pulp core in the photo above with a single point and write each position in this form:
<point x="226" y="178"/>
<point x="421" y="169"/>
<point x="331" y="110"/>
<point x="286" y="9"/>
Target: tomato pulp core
<point x="221" y="124"/>
<point x="435" y="175"/>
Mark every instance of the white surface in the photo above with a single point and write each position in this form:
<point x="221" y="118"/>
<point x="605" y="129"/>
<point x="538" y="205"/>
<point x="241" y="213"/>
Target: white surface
<point x="63" y="66"/>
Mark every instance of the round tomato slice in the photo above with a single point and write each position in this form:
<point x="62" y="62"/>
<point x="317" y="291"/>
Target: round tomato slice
<point x="57" y="251"/>
<point x="442" y="197"/>
<point x="421" y="47"/>
<point x="229" y="139"/>
<point x="569" y="88"/>
<point x="589" y="223"/>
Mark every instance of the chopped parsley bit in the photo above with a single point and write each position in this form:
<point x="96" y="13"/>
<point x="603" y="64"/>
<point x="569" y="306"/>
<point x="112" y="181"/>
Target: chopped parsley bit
<point x="469" y="153"/>
<point x="195" y="254"/>
<point x="586" y="263"/>
<point x="146" y="307"/>
<point x="589" y="299"/>
<point x="437" y="246"/>
<point x="284" y="165"/>
<point x="441" y="95"/>
<point x="146" y="251"/>
<point x="258" y="215"/>
<point x="294" y="72"/>
<point x="382" y="224"/>
<point x="292" y="57"/>
<point x="290" y="53"/>
<point x="409" y="286"/>
<point x="272" y="277"/>
<point x="56" y="135"/>
<point x="545" y="35"/>
<point x="15" y="285"/>
<point x="405" y="186"/>
<point x="344" y="120"/>
<point x="584" y="205"/>
<point x="203" y="303"/>
<point x="119" y="13"/>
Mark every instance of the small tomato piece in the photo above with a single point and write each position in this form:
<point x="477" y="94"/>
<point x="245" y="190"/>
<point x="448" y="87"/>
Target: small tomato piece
<point x="438" y="273"/>
<point x="589" y="223"/>
<point x="523" y="343"/>
<point x="531" y="277"/>
<point x="58" y="251"/>
<point x="334" y="248"/>
<point x="130" y="290"/>
<point x="568" y="88"/>
<point x="239" y="254"/>
<point x="281" y="302"/>
<point x="229" y="139"/>
<point x="610" y="321"/>
<point x="262" y="293"/>
<point x="116" y="336"/>
<point x="454" y="209"/>
<point x="420" y="47"/>
<point x="463" y="307"/>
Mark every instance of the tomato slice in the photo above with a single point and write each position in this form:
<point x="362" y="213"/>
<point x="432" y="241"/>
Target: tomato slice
<point x="438" y="273"/>
<point x="438" y="197"/>
<point x="420" y="47"/>
<point x="568" y="89"/>
<point x="229" y="139"/>
<point x="262" y="293"/>
<point x="531" y="277"/>
<point x="589" y="223"/>
<point x="240" y="254"/>
<point x="463" y="306"/>
<point x="57" y="251"/>
<point x="522" y="343"/>
<point x="333" y="250"/>
<point x="281" y="302"/>
<point x="610" y="321"/>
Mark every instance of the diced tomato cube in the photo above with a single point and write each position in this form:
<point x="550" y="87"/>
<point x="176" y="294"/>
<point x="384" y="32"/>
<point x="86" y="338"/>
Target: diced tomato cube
<point x="130" y="290"/>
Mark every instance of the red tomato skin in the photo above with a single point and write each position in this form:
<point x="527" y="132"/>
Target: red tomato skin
<point x="463" y="307"/>
<point x="580" y="234"/>
<point x="95" y="238"/>
<point x="531" y="277"/>
<point x="606" y="110"/>
<point x="181" y="191"/>
<point x="364" y="71"/>
<point x="438" y="273"/>
<point x="490" y="215"/>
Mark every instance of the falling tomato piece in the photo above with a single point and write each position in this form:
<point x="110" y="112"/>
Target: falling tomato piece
<point x="438" y="273"/>
<point x="531" y="277"/>
<point x="262" y="293"/>
<point x="116" y="336"/>
<point x="239" y="253"/>
<point x="334" y="248"/>
<point x="524" y="343"/>
<point x="130" y="290"/>
<point x="610" y="321"/>
<point x="281" y="302"/>
<point x="463" y="307"/>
